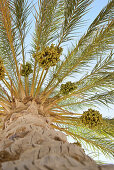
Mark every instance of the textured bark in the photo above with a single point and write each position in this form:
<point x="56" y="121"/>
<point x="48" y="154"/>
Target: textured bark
<point x="28" y="142"/>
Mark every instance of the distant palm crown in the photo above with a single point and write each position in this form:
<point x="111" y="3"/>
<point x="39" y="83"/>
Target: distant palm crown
<point x="42" y="76"/>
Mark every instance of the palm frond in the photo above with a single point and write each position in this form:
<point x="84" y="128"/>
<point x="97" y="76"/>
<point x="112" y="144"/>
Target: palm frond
<point x="74" y="104"/>
<point x="99" y="45"/>
<point x="47" y="18"/>
<point x="110" y="121"/>
<point x="93" y="138"/>
<point x="89" y="46"/>
<point x="95" y="87"/>
<point x="7" y="38"/>
<point x="6" y="53"/>
<point x="74" y="10"/>
<point x="20" y="10"/>
<point x="4" y="93"/>
<point x="106" y="14"/>
<point x="89" y="89"/>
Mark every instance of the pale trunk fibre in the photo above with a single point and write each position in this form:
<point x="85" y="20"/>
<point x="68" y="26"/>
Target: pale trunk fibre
<point x="28" y="142"/>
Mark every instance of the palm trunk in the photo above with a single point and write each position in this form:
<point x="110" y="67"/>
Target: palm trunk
<point x="28" y="142"/>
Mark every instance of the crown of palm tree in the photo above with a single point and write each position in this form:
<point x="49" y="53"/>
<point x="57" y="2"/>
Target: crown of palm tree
<point x="43" y="78"/>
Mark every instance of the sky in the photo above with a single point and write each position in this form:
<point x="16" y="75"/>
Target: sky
<point x="96" y="7"/>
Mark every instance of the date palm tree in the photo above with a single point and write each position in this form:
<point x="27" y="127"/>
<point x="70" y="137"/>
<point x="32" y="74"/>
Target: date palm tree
<point x="37" y="101"/>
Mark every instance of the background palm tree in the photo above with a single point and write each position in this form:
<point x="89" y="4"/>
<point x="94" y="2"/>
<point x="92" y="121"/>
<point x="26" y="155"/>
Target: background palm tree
<point x="42" y="79"/>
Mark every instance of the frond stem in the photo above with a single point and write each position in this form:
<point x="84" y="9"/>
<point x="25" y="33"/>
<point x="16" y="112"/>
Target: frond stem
<point x="36" y="78"/>
<point x="32" y="86"/>
<point x="43" y="79"/>
<point x="37" y="89"/>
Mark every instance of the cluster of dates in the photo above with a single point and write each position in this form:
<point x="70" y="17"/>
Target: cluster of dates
<point x="49" y="56"/>
<point x="67" y="88"/>
<point x="26" y="69"/>
<point x="91" y="118"/>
